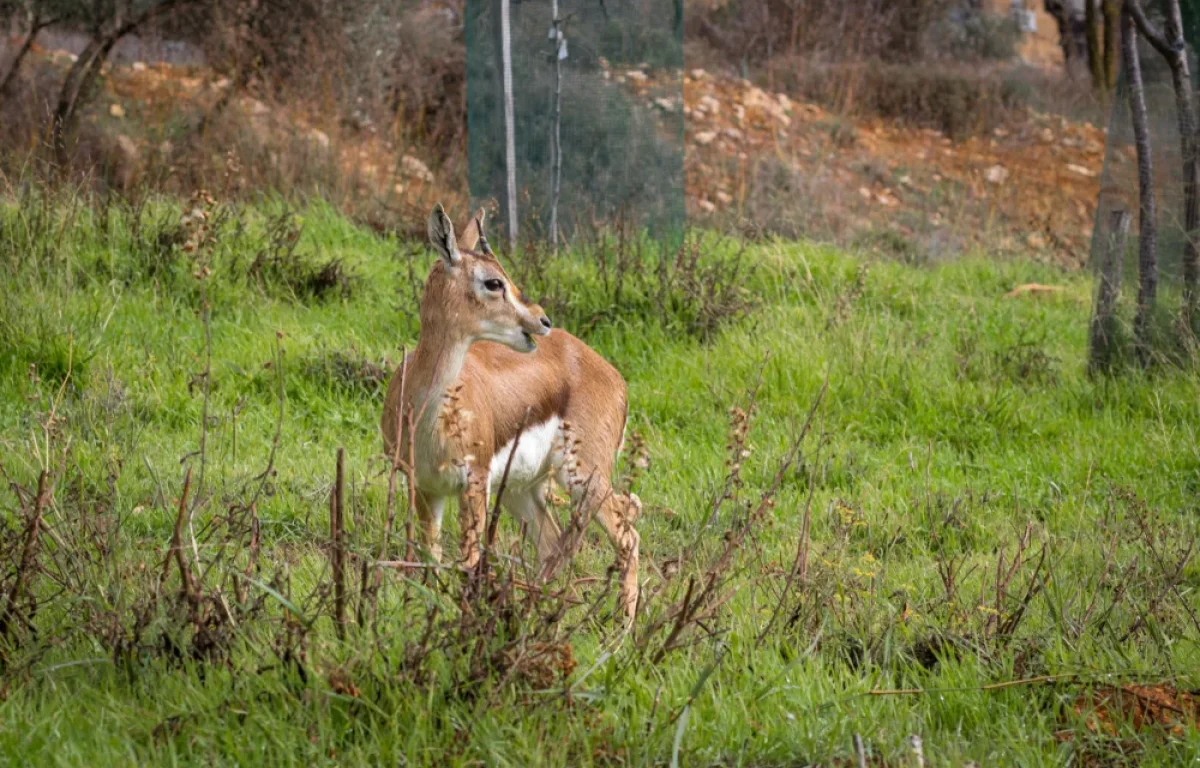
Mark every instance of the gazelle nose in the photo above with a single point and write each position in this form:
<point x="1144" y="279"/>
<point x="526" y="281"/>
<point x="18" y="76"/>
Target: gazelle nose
<point x="546" y="322"/>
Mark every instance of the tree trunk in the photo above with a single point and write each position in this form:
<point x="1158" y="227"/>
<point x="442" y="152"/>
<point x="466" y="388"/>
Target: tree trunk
<point x="84" y="71"/>
<point x="79" y="77"/>
<point x="1103" y="336"/>
<point x="1112" y="42"/>
<point x="1095" y="54"/>
<point x="1173" y="49"/>
<point x="1147" y="248"/>
<point x="1068" y="38"/>
<point x="912" y="20"/>
<point x="1181" y="81"/>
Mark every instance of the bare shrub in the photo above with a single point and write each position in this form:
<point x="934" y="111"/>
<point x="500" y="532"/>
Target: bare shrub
<point x="427" y="92"/>
<point x="315" y="98"/>
<point x="697" y="287"/>
<point x="278" y="266"/>
<point x="349" y="371"/>
<point x="959" y="101"/>
<point x="759" y="30"/>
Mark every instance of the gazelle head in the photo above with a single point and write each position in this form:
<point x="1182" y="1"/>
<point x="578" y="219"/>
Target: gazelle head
<point x="468" y="295"/>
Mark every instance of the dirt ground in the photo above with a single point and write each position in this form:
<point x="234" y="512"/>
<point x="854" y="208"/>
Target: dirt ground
<point x="760" y="159"/>
<point x="1031" y="186"/>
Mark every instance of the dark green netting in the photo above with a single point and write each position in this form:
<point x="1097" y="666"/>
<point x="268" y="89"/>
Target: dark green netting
<point x="1156" y="317"/>
<point x="621" y="122"/>
<point x="1190" y="10"/>
<point x="1119" y="181"/>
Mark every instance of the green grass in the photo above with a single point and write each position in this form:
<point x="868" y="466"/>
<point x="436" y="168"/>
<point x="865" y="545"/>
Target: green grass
<point x="954" y="419"/>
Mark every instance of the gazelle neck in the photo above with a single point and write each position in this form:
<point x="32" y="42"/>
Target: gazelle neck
<point x="433" y="368"/>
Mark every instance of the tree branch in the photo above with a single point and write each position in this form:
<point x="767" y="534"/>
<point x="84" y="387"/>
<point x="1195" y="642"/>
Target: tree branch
<point x="1152" y="35"/>
<point x="36" y="25"/>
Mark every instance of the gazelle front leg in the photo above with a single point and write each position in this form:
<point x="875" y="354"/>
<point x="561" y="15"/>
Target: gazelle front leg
<point x="472" y="516"/>
<point x="429" y="513"/>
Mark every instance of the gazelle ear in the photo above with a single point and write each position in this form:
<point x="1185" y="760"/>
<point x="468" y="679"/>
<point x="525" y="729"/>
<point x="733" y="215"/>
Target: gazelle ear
<point x="441" y="236"/>
<point x="484" y="248"/>
<point x="469" y="240"/>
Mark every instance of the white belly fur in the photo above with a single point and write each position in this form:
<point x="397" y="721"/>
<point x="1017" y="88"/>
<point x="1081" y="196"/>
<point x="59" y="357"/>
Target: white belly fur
<point x="532" y="463"/>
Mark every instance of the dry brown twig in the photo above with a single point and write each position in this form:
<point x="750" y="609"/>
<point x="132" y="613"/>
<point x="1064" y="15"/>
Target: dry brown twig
<point x="712" y="595"/>
<point x="337" y="543"/>
<point x="28" y="554"/>
<point x="176" y="549"/>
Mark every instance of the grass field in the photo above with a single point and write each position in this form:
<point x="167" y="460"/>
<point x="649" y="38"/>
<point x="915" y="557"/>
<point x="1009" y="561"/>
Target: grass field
<point x="981" y="512"/>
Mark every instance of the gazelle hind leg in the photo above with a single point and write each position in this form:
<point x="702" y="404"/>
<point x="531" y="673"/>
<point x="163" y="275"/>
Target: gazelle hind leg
<point x="584" y="462"/>
<point x="616" y="513"/>
<point x="529" y="505"/>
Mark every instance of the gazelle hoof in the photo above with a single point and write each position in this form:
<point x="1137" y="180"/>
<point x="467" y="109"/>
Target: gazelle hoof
<point x="633" y="509"/>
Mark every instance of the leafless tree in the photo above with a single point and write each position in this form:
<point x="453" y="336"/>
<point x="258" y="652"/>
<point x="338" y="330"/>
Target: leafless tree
<point x="36" y="18"/>
<point x="1170" y="44"/>
<point x="1071" y="31"/>
<point x="107" y="22"/>
<point x="1147" y="235"/>
<point x="1094" y="51"/>
<point x="1103" y="21"/>
<point x="1112" y="42"/>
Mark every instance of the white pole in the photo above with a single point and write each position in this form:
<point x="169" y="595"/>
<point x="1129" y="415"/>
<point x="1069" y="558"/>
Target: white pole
<point x="556" y="155"/>
<point x="510" y="146"/>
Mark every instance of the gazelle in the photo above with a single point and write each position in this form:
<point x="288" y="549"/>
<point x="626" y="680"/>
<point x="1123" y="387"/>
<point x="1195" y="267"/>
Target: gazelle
<point x="486" y="367"/>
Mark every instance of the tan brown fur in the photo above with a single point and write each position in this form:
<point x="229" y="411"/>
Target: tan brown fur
<point x="470" y="397"/>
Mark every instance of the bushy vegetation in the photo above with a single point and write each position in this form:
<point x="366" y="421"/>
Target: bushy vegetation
<point x="881" y="499"/>
<point x="959" y="102"/>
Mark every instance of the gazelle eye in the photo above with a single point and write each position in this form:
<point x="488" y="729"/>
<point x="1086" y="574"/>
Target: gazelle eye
<point x="494" y="285"/>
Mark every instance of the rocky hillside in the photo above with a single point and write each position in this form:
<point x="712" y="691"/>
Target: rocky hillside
<point x="762" y="161"/>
